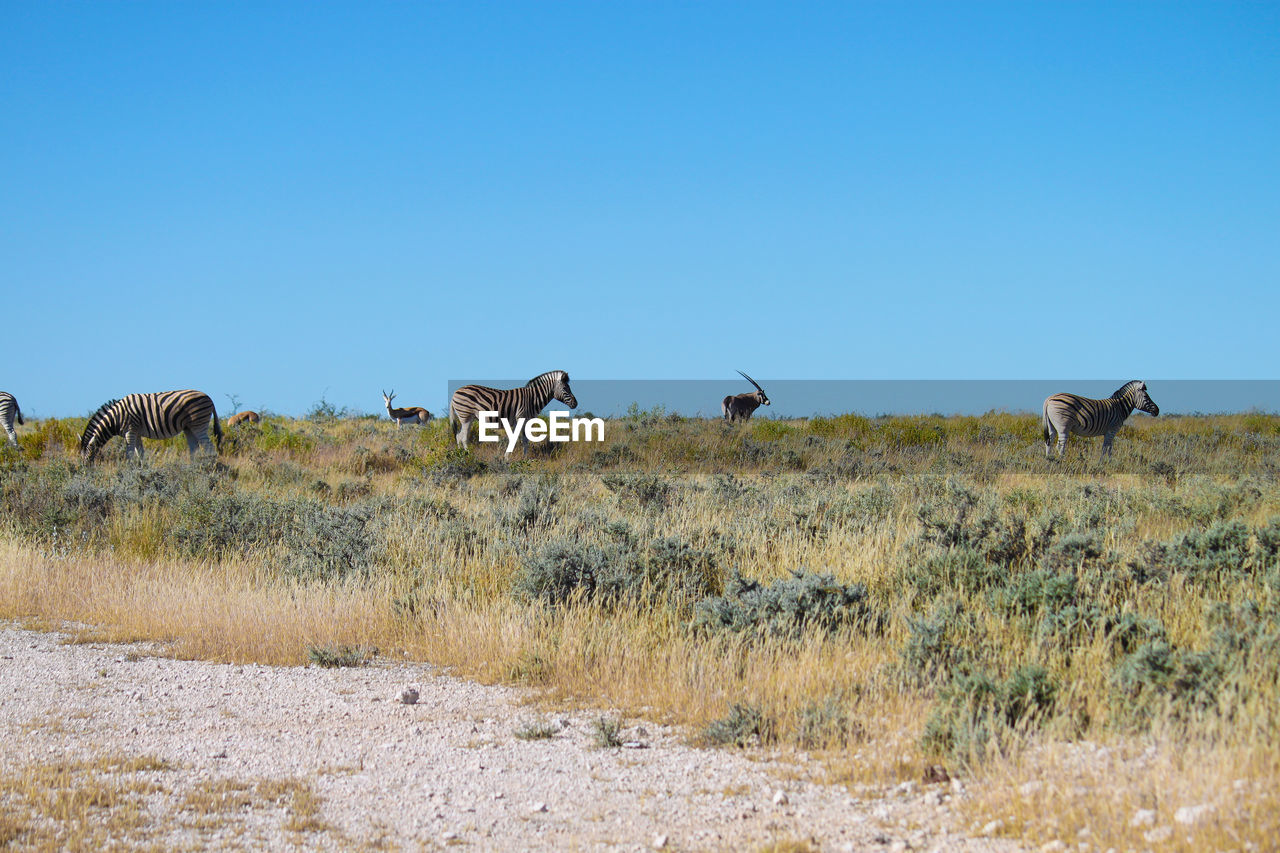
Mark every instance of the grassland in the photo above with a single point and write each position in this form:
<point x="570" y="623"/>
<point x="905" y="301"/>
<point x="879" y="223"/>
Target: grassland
<point x="1080" y="640"/>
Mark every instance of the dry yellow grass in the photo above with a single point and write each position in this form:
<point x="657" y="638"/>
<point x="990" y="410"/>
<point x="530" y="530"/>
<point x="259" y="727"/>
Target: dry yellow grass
<point x="440" y="587"/>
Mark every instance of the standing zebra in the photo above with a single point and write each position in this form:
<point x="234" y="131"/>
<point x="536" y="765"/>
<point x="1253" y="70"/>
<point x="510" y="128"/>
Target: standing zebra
<point x="511" y="404"/>
<point x="9" y="412"/>
<point x="1068" y="413"/>
<point x="160" y="415"/>
<point x="740" y="407"/>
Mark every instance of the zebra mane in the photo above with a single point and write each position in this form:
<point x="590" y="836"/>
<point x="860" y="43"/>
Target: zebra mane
<point x="1124" y="390"/>
<point x="553" y="375"/>
<point x="95" y="421"/>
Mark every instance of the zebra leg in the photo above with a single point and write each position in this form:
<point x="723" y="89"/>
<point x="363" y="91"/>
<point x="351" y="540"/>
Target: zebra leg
<point x="192" y="441"/>
<point x="133" y="446"/>
<point x="1106" y="444"/>
<point x="13" y="436"/>
<point x="462" y="432"/>
<point x="1062" y="443"/>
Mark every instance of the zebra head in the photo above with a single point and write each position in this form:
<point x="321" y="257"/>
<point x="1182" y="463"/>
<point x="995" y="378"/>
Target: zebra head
<point x="102" y="427"/>
<point x="761" y="397"/>
<point x="562" y="391"/>
<point x="1136" y="393"/>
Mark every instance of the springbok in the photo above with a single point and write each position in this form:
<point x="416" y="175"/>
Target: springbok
<point x="244" y="418"/>
<point x="740" y="407"/>
<point x="409" y="415"/>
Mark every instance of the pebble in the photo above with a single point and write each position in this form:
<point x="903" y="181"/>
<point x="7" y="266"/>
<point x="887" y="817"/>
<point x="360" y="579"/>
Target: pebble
<point x="1142" y="817"/>
<point x="780" y="798"/>
<point x="1188" y="815"/>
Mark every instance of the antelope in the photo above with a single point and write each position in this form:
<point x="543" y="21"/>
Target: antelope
<point x="409" y="415"/>
<point x="244" y="417"/>
<point x="740" y="407"/>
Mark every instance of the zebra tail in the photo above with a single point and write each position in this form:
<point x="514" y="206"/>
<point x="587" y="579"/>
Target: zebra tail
<point x="217" y="432"/>
<point x="20" y="420"/>
<point x="1044" y="423"/>
<point x="453" y="419"/>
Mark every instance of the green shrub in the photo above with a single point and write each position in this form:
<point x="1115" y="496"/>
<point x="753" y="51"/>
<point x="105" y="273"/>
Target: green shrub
<point x="932" y="652"/>
<point x="975" y="711"/>
<point x="827" y="724"/>
<point x="788" y="606"/>
<point x="745" y="725"/>
<point x="606" y="732"/>
<point x="649" y="491"/>
<point x="664" y="569"/>
<point x="337" y="656"/>
<point x="1222" y="551"/>
<point x="958" y="570"/>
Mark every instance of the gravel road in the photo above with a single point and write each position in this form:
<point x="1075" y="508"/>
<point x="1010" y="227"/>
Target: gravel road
<point x="446" y="771"/>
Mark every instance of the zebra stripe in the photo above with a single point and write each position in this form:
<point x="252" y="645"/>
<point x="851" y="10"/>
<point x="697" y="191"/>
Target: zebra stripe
<point x="1085" y="416"/>
<point x="511" y="404"/>
<point x="9" y="413"/>
<point x="160" y="415"/>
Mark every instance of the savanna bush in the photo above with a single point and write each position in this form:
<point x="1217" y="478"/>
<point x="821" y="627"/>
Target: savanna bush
<point x="789" y="606"/>
<point x="975" y="711"/>
<point x="667" y="569"/>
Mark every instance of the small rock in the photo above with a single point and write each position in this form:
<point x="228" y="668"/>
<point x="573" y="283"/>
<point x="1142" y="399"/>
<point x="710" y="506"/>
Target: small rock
<point x="957" y="787"/>
<point x="780" y="798"/>
<point x="448" y="836"/>
<point x="899" y="846"/>
<point x="1054" y="846"/>
<point x="1031" y="788"/>
<point x="992" y="828"/>
<point x="659" y="842"/>
<point x="634" y="744"/>
<point x="498" y="795"/>
<point x="409" y="696"/>
<point x="538" y="807"/>
<point x="1158" y="835"/>
<point x="1188" y="815"/>
<point x="906" y="788"/>
<point x="1143" y="817"/>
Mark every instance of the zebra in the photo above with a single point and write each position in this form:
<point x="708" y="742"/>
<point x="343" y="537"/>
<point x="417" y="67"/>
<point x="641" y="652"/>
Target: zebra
<point x="740" y="407"/>
<point x="160" y="415"/>
<point x="246" y="417"/>
<point x="1068" y="413"/>
<point x="9" y="414"/>
<point x="511" y="404"/>
<point x="407" y="415"/>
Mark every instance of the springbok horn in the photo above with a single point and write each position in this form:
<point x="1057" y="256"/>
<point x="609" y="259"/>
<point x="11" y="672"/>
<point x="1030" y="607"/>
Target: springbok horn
<point x="752" y="381"/>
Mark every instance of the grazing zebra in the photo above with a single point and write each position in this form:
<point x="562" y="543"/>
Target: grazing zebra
<point x="1068" y="413"/>
<point x="407" y="415"/>
<point x="9" y="413"/>
<point x="740" y="407"/>
<point x="160" y="415"/>
<point x="511" y="404"/>
<point x="244" y="418"/>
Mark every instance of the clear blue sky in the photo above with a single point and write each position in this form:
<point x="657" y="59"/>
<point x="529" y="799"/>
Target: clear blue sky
<point x="294" y="201"/>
